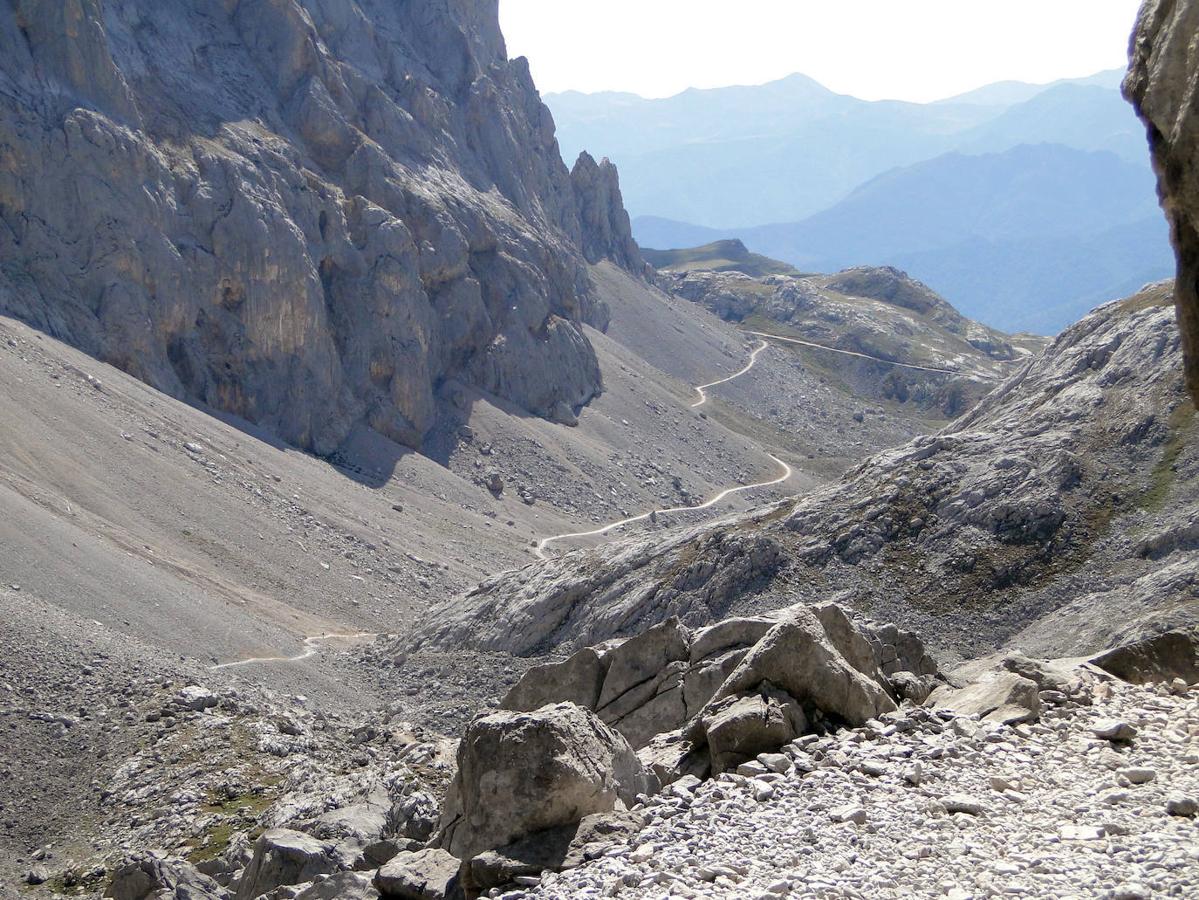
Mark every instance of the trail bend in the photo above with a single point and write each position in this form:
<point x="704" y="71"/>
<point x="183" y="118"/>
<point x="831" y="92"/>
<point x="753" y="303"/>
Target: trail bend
<point x="879" y="359"/>
<point x="311" y="648"/>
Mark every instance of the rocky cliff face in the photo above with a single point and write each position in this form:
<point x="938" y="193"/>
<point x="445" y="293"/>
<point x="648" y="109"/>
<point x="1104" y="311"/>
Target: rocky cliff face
<point x="1161" y="84"/>
<point x="309" y="214"/>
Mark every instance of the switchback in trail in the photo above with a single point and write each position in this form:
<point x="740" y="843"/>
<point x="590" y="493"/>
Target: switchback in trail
<point x="785" y="470"/>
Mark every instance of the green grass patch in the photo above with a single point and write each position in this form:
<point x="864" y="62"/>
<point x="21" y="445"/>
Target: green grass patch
<point x="1155" y="295"/>
<point x="718" y="256"/>
<point x="1161" y="479"/>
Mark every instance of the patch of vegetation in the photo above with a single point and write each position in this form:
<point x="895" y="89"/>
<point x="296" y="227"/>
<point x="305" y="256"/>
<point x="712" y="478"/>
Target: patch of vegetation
<point x="216" y="841"/>
<point x="1161" y="479"/>
<point x="718" y="256"/>
<point x="1154" y="295"/>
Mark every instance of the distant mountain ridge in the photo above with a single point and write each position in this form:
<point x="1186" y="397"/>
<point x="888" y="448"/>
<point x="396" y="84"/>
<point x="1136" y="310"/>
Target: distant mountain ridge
<point x="745" y="156"/>
<point x="977" y="194"/>
<point x="1024" y="240"/>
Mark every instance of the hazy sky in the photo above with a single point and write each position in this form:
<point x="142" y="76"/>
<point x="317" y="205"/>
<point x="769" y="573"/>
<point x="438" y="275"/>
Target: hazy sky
<point x="904" y="49"/>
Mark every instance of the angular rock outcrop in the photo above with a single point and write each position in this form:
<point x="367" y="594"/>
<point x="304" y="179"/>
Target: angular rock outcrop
<point x="283" y="857"/>
<point x="1002" y="697"/>
<point x="555" y="849"/>
<point x="520" y="773"/>
<point x="606" y="230"/>
<point x="1161" y="657"/>
<point x="1162" y="74"/>
<point x="153" y="875"/>
<point x="705" y="701"/>
<point x="420" y="875"/>
<point x="310" y="215"/>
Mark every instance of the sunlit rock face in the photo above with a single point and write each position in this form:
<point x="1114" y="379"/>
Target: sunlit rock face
<point x="309" y="214"/>
<point x="1162" y="81"/>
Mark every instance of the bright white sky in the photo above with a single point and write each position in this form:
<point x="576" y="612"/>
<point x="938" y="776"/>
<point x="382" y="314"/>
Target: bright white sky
<point x="917" y="50"/>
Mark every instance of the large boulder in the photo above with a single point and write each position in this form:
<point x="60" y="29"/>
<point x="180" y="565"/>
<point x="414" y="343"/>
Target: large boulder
<point x="997" y="696"/>
<point x="575" y="680"/>
<point x="340" y="886"/>
<point x="282" y="856"/>
<point x="524" y="772"/>
<point x="798" y="657"/>
<point x="152" y="875"/>
<point x="1163" y="68"/>
<point x="555" y="849"/>
<point x="1163" y="657"/>
<point x="429" y="874"/>
<point x="738" y="728"/>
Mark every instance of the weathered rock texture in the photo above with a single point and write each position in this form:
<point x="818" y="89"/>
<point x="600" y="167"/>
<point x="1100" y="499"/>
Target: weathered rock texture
<point x="1058" y="517"/>
<point x="1162" y="80"/>
<point x="309" y="214"/>
<point x="524" y="772"/>
<point x="704" y="701"/>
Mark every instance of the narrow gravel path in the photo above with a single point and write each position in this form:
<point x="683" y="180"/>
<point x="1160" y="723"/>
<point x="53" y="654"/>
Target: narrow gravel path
<point x="784" y="469"/>
<point x="701" y="389"/>
<point x="311" y="647"/>
<point x="889" y="362"/>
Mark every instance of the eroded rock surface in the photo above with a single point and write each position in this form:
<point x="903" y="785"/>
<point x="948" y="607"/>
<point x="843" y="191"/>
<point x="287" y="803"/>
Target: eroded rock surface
<point x="524" y="772"/>
<point x="1161" y="86"/>
<point x="705" y="701"/>
<point x="309" y="215"/>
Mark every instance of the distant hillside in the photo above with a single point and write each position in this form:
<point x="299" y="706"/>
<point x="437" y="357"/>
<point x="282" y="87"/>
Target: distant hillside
<point x="718" y="256"/>
<point x="1027" y="239"/>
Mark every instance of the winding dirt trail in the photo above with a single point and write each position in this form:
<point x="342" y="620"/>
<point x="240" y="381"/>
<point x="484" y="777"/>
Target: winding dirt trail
<point x="889" y="362"/>
<point x="701" y="388"/>
<point x="784" y="469"/>
<point x="311" y="648"/>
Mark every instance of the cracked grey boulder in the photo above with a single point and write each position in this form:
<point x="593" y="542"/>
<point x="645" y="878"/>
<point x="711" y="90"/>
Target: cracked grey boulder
<point x="798" y="657"/>
<point x="283" y="857"/>
<point x="340" y="886"/>
<point x="1002" y="697"/>
<point x="430" y="874"/>
<point x="555" y="850"/>
<point x="738" y="728"/>
<point x="1162" y="657"/>
<point x="153" y="875"/>
<point x="524" y="772"/>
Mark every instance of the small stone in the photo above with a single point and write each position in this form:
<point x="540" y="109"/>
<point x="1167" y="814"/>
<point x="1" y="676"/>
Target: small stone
<point x="1114" y="730"/>
<point x="1132" y="891"/>
<point x="1137" y="775"/>
<point x="851" y="812"/>
<point x="960" y="803"/>
<point x="1080" y="833"/>
<point x="1178" y="805"/>
<point x="37" y="875"/>
<point x="763" y="791"/>
<point x="776" y="762"/>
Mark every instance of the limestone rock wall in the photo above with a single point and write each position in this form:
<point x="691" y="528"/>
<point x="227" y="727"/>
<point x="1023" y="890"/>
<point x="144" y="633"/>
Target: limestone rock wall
<point x="307" y="213"/>
<point x="1163" y="86"/>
